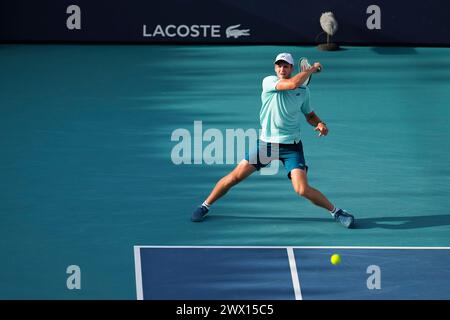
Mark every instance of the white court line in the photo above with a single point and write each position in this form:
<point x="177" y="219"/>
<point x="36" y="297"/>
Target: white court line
<point x="295" y="247"/>
<point x="294" y="274"/>
<point x="138" y="272"/>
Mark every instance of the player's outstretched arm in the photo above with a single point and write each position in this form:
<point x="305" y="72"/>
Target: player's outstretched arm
<point x="294" y="82"/>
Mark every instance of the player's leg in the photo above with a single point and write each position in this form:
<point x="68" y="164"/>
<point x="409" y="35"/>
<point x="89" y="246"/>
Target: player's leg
<point x="300" y="183"/>
<point x="242" y="171"/>
<point x="259" y="157"/>
<point x="294" y="161"/>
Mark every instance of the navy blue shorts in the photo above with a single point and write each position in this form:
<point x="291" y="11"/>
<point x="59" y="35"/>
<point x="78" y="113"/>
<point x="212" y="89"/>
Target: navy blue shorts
<point x="291" y="155"/>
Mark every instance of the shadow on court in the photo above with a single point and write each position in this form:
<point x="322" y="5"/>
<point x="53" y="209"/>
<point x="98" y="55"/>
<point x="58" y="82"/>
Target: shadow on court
<point x="394" y="50"/>
<point x="217" y="217"/>
<point x="415" y="222"/>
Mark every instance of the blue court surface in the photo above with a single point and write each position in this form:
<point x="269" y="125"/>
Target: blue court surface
<point x="291" y="273"/>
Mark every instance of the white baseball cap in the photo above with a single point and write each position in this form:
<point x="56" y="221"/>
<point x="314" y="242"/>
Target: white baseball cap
<point x="285" y="57"/>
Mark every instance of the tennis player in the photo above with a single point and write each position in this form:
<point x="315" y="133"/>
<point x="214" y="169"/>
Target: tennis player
<point x="283" y="98"/>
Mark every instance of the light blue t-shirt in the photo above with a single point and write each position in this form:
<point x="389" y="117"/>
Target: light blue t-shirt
<point x="282" y="111"/>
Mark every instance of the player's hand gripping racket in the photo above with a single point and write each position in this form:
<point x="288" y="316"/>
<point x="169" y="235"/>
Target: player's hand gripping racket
<point x="303" y="64"/>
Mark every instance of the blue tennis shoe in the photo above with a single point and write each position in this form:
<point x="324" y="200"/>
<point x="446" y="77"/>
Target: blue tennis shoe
<point x="199" y="214"/>
<point x="344" y="218"/>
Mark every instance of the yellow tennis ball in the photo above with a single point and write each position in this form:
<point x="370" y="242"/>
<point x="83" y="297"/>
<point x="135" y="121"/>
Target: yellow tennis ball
<point x="335" y="259"/>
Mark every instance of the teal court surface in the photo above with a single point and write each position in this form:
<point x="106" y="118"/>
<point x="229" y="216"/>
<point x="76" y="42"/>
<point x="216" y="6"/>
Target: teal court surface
<point x="87" y="176"/>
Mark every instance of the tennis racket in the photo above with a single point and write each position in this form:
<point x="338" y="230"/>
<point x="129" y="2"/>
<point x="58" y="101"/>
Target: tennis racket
<point x="303" y="64"/>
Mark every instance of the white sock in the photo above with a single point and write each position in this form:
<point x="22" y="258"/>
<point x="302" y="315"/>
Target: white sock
<point x="335" y="209"/>
<point x="206" y="205"/>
